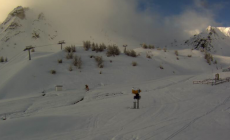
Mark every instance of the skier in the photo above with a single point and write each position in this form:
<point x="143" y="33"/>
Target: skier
<point x="86" y="87"/>
<point x="137" y="96"/>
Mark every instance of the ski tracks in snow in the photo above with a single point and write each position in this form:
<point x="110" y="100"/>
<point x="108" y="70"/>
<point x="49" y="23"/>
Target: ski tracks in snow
<point x="162" y="109"/>
<point x="196" y="119"/>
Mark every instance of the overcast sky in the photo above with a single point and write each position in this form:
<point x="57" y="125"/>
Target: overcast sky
<point x="127" y="21"/>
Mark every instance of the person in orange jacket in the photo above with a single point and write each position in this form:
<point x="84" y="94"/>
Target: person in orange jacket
<point x="86" y="87"/>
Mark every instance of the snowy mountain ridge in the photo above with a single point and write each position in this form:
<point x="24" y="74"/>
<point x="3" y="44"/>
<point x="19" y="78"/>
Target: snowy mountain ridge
<point x="224" y="30"/>
<point x="23" y="27"/>
<point x="215" y="40"/>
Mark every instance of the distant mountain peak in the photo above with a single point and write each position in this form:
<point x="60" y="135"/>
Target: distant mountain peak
<point x="26" y="26"/>
<point x="214" y="39"/>
<point x="18" y="12"/>
<point x="224" y="30"/>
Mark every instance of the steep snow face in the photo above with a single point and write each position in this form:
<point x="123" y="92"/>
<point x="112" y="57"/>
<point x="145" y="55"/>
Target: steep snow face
<point x="213" y="39"/>
<point x="225" y="30"/>
<point x="24" y="27"/>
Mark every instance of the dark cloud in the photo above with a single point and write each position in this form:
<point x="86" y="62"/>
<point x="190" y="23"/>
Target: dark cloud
<point x="121" y="22"/>
<point x="202" y="4"/>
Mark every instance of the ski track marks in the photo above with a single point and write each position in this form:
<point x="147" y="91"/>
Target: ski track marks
<point x="195" y="119"/>
<point x="161" y="108"/>
<point x="39" y="103"/>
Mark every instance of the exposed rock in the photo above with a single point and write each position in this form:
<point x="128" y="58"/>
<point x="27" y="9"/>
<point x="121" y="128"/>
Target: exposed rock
<point x="19" y="12"/>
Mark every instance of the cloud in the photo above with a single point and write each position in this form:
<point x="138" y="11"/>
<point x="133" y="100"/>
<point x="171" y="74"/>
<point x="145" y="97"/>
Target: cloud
<point x="109" y="21"/>
<point x="201" y="4"/>
<point x="121" y="22"/>
<point x="191" y="22"/>
<point x="205" y="5"/>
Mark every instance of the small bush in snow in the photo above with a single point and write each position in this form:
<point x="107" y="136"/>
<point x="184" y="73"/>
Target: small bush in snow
<point x="134" y="63"/>
<point x="208" y="57"/>
<point x="70" y="68"/>
<point x="69" y="55"/>
<point x="131" y="53"/>
<point x="1" y="59"/>
<point x="177" y="58"/>
<point x="35" y="35"/>
<point x="53" y="72"/>
<point x="159" y="49"/>
<point x="113" y="51"/>
<point x="161" y="67"/>
<point x="148" y="55"/>
<point x="151" y="47"/>
<point x="99" y="61"/>
<point x="189" y="55"/>
<point x="59" y="60"/>
<point x="67" y="49"/>
<point x="98" y="48"/>
<point x="215" y="62"/>
<point x="71" y="48"/>
<point x="102" y="47"/>
<point x="86" y="45"/>
<point x="144" y="46"/>
<point x="77" y="62"/>
<point x="165" y="49"/>
<point x="176" y="53"/>
<point x="6" y="60"/>
<point x="4" y="118"/>
<point x="93" y="47"/>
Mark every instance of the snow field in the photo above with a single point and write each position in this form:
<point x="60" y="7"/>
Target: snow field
<point x="170" y="108"/>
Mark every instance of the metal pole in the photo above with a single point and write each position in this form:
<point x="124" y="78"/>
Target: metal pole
<point x="29" y="54"/>
<point x="134" y="105"/>
<point x="61" y="46"/>
<point x="137" y="103"/>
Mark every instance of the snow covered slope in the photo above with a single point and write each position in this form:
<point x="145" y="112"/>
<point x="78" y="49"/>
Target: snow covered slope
<point x="23" y="27"/>
<point x="224" y="30"/>
<point x="36" y="76"/>
<point x="171" y="107"/>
